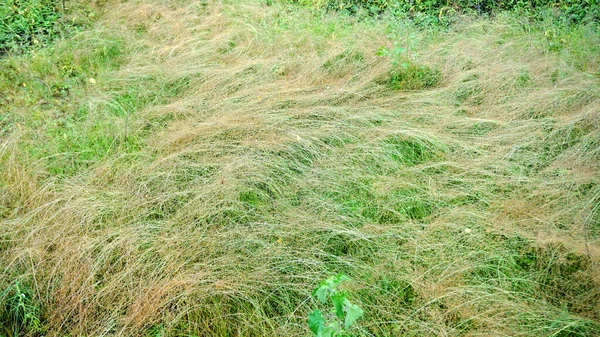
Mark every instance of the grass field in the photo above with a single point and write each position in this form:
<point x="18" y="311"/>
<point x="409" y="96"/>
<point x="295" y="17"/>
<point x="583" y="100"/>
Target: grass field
<point x="196" y="168"/>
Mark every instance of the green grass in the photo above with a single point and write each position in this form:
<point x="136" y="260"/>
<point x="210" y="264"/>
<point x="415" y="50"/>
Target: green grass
<point x="183" y="168"/>
<point x="410" y="76"/>
<point x="27" y="25"/>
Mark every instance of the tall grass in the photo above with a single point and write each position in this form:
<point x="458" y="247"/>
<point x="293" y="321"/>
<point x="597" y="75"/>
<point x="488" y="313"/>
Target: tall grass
<point x="196" y="168"/>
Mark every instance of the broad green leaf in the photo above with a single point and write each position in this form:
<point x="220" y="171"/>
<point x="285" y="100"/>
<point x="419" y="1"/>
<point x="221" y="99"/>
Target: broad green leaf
<point x="326" y="332"/>
<point x="321" y="293"/>
<point x="315" y="322"/>
<point x="338" y="300"/>
<point x="331" y="282"/>
<point x="353" y="312"/>
<point x="339" y="278"/>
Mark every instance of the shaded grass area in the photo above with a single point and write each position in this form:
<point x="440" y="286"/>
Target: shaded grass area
<point x="191" y="168"/>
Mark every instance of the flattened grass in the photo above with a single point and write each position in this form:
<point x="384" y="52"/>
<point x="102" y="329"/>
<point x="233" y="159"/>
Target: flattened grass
<point x="228" y="156"/>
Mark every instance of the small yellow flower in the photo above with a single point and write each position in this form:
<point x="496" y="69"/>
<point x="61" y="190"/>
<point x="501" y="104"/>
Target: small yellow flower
<point x="280" y="240"/>
<point x="93" y="81"/>
<point x="24" y="84"/>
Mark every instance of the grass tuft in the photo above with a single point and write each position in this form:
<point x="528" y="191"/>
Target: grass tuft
<point x="411" y="76"/>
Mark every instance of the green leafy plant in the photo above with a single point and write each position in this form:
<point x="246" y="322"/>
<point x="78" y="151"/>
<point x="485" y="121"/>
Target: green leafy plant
<point x="407" y="73"/>
<point x="341" y="316"/>
<point x="27" y="22"/>
<point x="19" y="313"/>
<point x="431" y="12"/>
<point x="30" y="24"/>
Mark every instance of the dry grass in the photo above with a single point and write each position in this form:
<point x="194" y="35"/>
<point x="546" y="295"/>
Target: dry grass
<point x="235" y="154"/>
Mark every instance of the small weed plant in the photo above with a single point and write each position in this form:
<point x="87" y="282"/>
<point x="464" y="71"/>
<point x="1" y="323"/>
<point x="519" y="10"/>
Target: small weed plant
<point x="406" y="73"/>
<point x="19" y="313"/>
<point x="343" y="314"/>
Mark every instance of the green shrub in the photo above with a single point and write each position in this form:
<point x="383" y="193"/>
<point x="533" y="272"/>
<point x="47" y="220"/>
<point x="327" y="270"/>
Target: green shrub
<point x="411" y="76"/>
<point x="435" y="11"/>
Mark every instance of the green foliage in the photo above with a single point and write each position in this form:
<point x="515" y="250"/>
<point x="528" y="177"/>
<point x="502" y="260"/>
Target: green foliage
<point x="434" y="11"/>
<point x="352" y="6"/>
<point x="408" y="75"/>
<point x="19" y="313"/>
<point x="343" y="310"/>
<point x="27" y="22"/>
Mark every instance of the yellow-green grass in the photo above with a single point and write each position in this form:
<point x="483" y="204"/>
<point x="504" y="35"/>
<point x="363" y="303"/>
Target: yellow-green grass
<point x="196" y="168"/>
